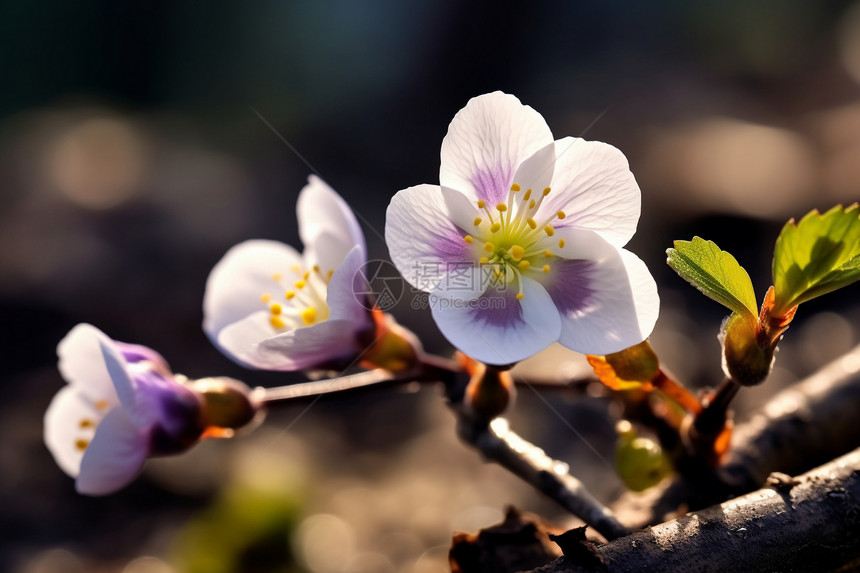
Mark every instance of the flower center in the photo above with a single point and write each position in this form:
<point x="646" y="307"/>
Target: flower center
<point x="303" y="300"/>
<point x="513" y="239"/>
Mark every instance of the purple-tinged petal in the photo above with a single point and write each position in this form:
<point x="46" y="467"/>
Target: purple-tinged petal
<point x="114" y="457"/>
<point x="496" y="328"/>
<point x="138" y="405"/>
<point x="344" y="294"/>
<point x="607" y="298"/>
<point x="69" y="424"/>
<point x="425" y="228"/>
<point x="327" y="226"/>
<point x="82" y="366"/>
<point x="240" y="278"/>
<point x="486" y="143"/>
<point x="327" y="342"/>
<point x="594" y="187"/>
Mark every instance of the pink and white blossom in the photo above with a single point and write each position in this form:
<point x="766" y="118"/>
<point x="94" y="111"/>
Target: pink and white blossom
<point x="521" y="243"/>
<point x="266" y="306"/>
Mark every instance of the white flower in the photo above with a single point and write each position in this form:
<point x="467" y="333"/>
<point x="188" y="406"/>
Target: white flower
<point x="121" y="405"/>
<point x="266" y="306"/>
<point x="521" y="245"/>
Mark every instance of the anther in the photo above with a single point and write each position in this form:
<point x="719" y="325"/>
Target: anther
<point x="515" y="187"/>
<point x="484" y="260"/>
<point x="81" y="444"/>
<point x="265" y="297"/>
<point x="520" y="296"/>
<point x="547" y="253"/>
<point x="532" y="204"/>
<point x="531" y="223"/>
<point x="102" y="404"/>
<point x="85" y="423"/>
<point x="481" y="204"/>
<point x="561" y="215"/>
<point x="524" y="265"/>
<point x="277" y="277"/>
<point x="275" y="309"/>
<point x="561" y="243"/>
<point x="309" y="315"/>
<point x="477" y="221"/>
<point x="517" y="252"/>
<point x="501" y="207"/>
<point x="276" y="321"/>
<point x="549" y="230"/>
<point x="300" y="285"/>
<point x="527" y="195"/>
<point x="290" y="294"/>
<point x="468" y="239"/>
<point x="546" y="268"/>
<point x="495" y="227"/>
<point x="546" y="191"/>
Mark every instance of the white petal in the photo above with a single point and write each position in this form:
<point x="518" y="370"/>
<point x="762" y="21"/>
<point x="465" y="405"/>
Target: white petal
<point x="138" y="404"/>
<point x="425" y="228"/>
<point x="81" y="363"/>
<point x="240" y="278"/>
<point x="498" y="329"/>
<point x="536" y="172"/>
<point x="345" y="293"/>
<point x="607" y="298"/>
<point x="594" y="187"/>
<point x="486" y="143"/>
<point x="324" y="217"/>
<point x="70" y="418"/>
<point x="309" y="347"/>
<point x="114" y="457"/>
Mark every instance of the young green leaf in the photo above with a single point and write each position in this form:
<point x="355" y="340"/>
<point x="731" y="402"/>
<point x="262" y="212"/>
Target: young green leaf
<point x="818" y="255"/>
<point x="714" y="272"/>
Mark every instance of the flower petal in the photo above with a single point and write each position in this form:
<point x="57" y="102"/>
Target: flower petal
<point x="606" y="296"/>
<point x="425" y="228"/>
<point x="486" y="143"/>
<point x="594" y="187"/>
<point x="324" y="216"/>
<point x="82" y="366"/>
<point x="137" y="403"/>
<point x="345" y="293"/>
<point x="240" y="278"/>
<point x="114" y="457"/>
<point x="496" y="328"/>
<point x="69" y="424"/>
<point x="310" y="347"/>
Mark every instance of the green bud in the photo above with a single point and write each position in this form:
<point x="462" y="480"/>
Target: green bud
<point x="744" y="361"/>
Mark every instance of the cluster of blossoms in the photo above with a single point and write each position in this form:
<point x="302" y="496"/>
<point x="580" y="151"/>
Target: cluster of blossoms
<point x="538" y="224"/>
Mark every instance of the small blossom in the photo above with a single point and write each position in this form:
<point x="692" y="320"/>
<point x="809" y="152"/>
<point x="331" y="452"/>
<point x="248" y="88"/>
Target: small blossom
<point x="521" y="244"/>
<point x="268" y="307"/>
<point x="122" y="404"/>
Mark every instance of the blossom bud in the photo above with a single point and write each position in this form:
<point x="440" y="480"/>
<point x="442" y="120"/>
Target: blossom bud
<point x="226" y="404"/>
<point x="744" y="361"/>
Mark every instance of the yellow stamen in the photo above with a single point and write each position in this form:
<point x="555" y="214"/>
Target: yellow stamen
<point x="546" y="191"/>
<point x="561" y="243"/>
<point x="266" y="297"/>
<point x="275" y="309"/>
<point x="102" y="404"/>
<point x="489" y="247"/>
<point x="527" y="195"/>
<point x="316" y="268"/>
<point x="561" y="215"/>
<point x="290" y="294"/>
<point x="300" y="285"/>
<point x="502" y="207"/>
<point x="85" y="423"/>
<point x="329" y="274"/>
<point x="524" y="265"/>
<point x="468" y="239"/>
<point x="532" y="204"/>
<point x="276" y="321"/>
<point x="515" y="187"/>
<point x="547" y="253"/>
<point x="520" y="296"/>
<point x="481" y="204"/>
<point x="531" y="223"/>
<point x="549" y="230"/>
<point x="82" y="444"/>
<point x="307" y="275"/>
<point x="277" y="277"/>
<point x="546" y="268"/>
<point x="477" y="221"/>
<point x="517" y="252"/>
<point x="309" y="315"/>
<point x="495" y="227"/>
<point x="483" y="260"/>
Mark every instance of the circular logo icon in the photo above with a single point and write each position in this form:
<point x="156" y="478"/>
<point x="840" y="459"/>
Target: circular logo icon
<point x="377" y="283"/>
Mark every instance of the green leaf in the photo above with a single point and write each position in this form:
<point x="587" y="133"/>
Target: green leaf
<point x="714" y="272"/>
<point x="818" y="255"/>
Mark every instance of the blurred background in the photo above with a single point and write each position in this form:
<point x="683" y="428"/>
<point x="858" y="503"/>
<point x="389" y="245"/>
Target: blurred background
<point x="137" y="144"/>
